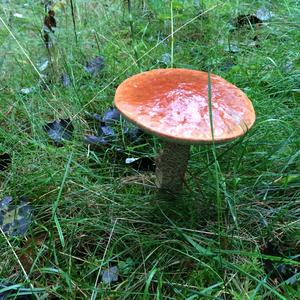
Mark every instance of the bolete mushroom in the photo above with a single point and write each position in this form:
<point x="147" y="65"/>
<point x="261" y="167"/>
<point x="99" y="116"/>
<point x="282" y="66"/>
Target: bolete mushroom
<point x="174" y="105"/>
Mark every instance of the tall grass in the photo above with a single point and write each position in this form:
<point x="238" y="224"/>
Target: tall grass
<point x="92" y="212"/>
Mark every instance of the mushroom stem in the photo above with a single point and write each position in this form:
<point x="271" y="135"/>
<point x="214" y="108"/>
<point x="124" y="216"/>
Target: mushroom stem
<point x="171" y="165"/>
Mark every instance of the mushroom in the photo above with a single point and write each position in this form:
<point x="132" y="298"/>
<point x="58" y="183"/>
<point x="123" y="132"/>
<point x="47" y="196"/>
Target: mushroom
<point x="174" y="105"/>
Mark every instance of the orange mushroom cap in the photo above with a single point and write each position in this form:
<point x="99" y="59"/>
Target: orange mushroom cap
<point x="173" y="104"/>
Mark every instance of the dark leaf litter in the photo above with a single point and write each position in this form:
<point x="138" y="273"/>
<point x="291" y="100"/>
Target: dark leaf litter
<point x="246" y="20"/>
<point x="15" y="219"/>
<point x="95" y="65"/>
<point x="110" y="275"/>
<point x="5" y="161"/>
<point x="141" y="163"/>
<point x="96" y="141"/>
<point x="108" y="127"/>
<point x="278" y="271"/>
<point x="111" y="130"/>
<point x="111" y="116"/>
<point x="262" y="15"/>
<point x="26" y="91"/>
<point x="42" y="66"/>
<point x="134" y="135"/>
<point x="106" y="131"/>
<point x="59" y="131"/>
<point x="165" y="59"/>
<point x="49" y="28"/>
<point x="65" y="80"/>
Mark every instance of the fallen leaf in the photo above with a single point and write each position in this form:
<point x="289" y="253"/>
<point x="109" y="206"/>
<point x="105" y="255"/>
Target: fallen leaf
<point x="130" y="160"/>
<point x="93" y="117"/>
<point x="49" y="28"/>
<point x="110" y="275"/>
<point x="264" y="14"/>
<point x="133" y="134"/>
<point x="95" y="65"/>
<point x="93" y="140"/>
<point x="246" y="20"/>
<point x="277" y="271"/>
<point x="19" y="16"/>
<point x="15" y="219"/>
<point x="49" y="21"/>
<point x="28" y="250"/>
<point x="106" y="134"/>
<point x="5" y="202"/>
<point x="65" y="79"/>
<point x="59" y="130"/>
<point x="106" y="131"/>
<point x="141" y="163"/>
<point x="27" y="91"/>
<point x="111" y="131"/>
<point x="111" y="116"/>
<point x="43" y="65"/>
<point x="165" y="59"/>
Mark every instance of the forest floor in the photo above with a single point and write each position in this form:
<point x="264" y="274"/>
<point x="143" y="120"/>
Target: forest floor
<point x="78" y="220"/>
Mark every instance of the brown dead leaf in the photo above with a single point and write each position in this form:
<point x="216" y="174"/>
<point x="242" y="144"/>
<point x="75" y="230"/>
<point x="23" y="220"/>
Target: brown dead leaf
<point x="49" y="27"/>
<point x="28" y="252"/>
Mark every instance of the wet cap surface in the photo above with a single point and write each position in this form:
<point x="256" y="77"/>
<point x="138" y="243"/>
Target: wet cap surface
<point x="173" y="104"/>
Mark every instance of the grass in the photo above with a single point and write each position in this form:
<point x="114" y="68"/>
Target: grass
<point x="91" y="211"/>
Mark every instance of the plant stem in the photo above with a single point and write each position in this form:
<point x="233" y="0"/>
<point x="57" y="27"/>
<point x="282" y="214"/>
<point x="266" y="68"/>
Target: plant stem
<point x="171" y="165"/>
<point x="73" y="19"/>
